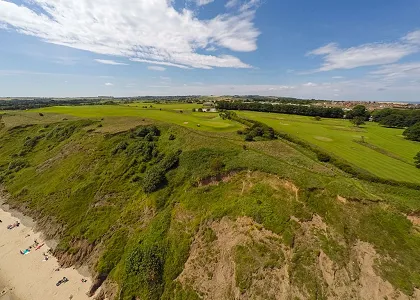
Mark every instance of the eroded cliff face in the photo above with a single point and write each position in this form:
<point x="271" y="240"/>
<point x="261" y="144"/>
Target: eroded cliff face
<point x="239" y="259"/>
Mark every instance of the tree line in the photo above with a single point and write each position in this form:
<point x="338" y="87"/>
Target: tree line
<point x="396" y="118"/>
<point x="292" y="109"/>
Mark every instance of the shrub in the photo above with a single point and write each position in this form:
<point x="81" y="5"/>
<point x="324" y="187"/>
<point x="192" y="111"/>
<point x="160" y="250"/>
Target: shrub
<point x="171" y="137"/>
<point x="17" y="165"/>
<point x="149" y="137"/>
<point x="170" y="161"/>
<point x="417" y="160"/>
<point x="120" y="147"/>
<point x="153" y="179"/>
<point x="323" y="157"/>
<point x="147" y="263"/>
<point x="249" y="138"/>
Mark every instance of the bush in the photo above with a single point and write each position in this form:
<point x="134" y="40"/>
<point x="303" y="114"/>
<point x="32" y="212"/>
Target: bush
<point x="153" y="179"/>
<point x="323" y="157"/>
<point x="170" y="161"/>
<point x="249" y="138"/>
<point x="120" y="147"/>
<point x="417" y="160"/>
<point x="146" y="262"/>
<point x="18" y="165"/>
<point x="171" y="137"/>
<point x="149" y="137"/>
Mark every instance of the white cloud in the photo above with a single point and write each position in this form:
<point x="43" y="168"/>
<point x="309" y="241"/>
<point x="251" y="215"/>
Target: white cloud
<point x="337" y="77"/>
<point x="366" y="54"/>
<point x="413" y="37"/>
<point x="142" y="30"/>
<point x="110" y="62"/>
<point x="3" y="26"/>
<point x="399" y="71"/>
<point x="203" y="2"/>
<point x="231" y="3"/>
<point x="360" y="56"/>
<point x="109" y="84"/>
<point x="309" y="84"/>
<point x="65" y="60"/>
<point x="156" y="68"/>
<point x="251" y="4"/>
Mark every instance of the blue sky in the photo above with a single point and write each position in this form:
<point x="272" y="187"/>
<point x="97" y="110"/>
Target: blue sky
<point x="344" y="50"/>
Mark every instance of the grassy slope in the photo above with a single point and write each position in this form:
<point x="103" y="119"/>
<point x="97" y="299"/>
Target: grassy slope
<point x="84" y="186"/>
<point x="393" y="157"/>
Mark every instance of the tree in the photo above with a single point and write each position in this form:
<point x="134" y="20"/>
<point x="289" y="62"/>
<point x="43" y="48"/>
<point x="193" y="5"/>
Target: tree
<point x="359" y="111"/>
<point x="357" y="121"/>
<point x="417" y="160"/>
<point x="413" y="132"/>
<point x="393" y="120"/>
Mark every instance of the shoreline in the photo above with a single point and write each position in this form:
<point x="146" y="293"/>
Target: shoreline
<point x="33" y="276"/>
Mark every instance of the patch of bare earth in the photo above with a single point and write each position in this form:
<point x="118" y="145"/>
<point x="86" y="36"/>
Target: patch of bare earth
<point x="210" y="268"/>
<point x="414" y="219"/>
<point x="341" y="199"/>
<point x="358" y="280"/>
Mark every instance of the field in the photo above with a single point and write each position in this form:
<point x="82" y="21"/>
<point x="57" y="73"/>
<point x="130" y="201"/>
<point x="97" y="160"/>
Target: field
<point x="162" y="112"/>
<point x="384" y="151"/>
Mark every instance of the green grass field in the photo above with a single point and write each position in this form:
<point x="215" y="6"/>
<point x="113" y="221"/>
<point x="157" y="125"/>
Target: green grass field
<point x="386" y="153"/>
<point x="160" y="112"/>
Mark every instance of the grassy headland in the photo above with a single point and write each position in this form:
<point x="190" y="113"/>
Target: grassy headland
<point x="139" y="203"/>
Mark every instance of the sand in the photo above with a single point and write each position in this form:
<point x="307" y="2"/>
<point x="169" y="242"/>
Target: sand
<point x="28" y="277"/>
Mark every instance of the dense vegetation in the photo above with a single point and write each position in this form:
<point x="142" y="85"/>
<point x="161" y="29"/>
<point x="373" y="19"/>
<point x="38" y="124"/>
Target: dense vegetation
<point x="141" y="197"/>
<point x="254" y="129"/>
<point x="397" y="118"/>
<point x="413" y="132"/>
<point x="291" y="108"/>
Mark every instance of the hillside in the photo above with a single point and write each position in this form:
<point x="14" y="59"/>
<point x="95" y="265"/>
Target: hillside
<point x="160" y="208"/>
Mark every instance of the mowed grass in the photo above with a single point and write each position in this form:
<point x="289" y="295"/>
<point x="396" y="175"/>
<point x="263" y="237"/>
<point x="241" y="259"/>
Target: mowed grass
<point x="170" y="113"/>
<point x="386" y="153"/>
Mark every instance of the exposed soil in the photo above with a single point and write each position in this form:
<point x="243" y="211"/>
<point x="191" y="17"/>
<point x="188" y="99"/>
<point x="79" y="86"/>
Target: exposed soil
<point x="211" y="270"/>
<point x="414" y="219"/>
<point x="341" y="199"/>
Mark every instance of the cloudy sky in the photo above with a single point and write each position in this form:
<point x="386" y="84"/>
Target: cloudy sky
<point x="329" y="49"/>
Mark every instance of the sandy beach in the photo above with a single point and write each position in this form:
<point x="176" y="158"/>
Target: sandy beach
<point x="31" y="276"/>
